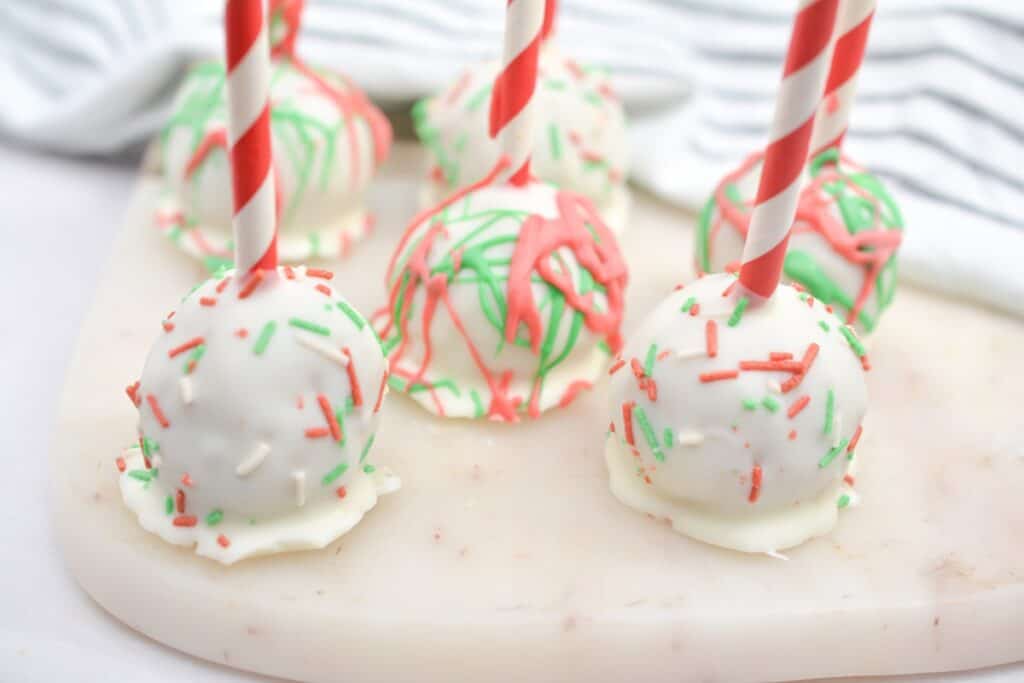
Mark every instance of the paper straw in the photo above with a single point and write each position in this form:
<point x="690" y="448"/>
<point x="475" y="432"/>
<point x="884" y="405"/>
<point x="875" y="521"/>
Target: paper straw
<point x="803" y="80"/>
<point x="248" y="83"/>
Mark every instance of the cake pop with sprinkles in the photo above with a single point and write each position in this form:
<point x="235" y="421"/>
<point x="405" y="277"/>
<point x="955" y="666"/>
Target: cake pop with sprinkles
<point x="737" y="406"/>
<point x="328" y="141"/>
<point x="506" y="300"/>
<point x="258" y="403"/>
<point x="579" y="140"/>
<point x="848" y="228"/>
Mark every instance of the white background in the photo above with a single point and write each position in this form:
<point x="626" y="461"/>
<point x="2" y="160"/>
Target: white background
<point x="58" y="218"/>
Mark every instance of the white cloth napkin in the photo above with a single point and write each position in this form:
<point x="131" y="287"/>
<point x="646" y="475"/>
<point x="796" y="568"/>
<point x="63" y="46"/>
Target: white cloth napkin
<point x="938" y="116"/>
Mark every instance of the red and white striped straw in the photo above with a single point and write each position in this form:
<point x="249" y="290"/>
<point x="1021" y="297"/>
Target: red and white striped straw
<point x="512" y="102"/>
<point x="248" y="80"/>
<point x="550" y="15"/>
<point x="803" y="80"/>
<point x="852" y="26"/>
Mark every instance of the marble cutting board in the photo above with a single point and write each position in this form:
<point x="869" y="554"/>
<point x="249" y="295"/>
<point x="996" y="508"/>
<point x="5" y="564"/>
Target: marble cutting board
<point x="505" y="558"/>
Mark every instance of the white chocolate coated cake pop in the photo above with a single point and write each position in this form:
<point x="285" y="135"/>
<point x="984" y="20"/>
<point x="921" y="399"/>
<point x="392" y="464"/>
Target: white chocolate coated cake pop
<point x="580" y="141"/>
<point x="844" y="242"/>
<point x="257" y="413"/>
<point x="738" y="423"/>
<point x="328" y="141"/>
<point x="504" y="301"/>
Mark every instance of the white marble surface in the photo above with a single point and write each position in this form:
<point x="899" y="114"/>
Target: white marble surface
<point x="49" y="629"/>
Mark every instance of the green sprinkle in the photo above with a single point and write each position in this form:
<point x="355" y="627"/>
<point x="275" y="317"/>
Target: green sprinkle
<point x="824" y="325"/>
<point x="369" y="469"/>
<point x="603" y="345"/>
<point x="478" y="97"/>
<point x="749" y="404"/>
<point x="844" y="500"/>
<point x="770" y="403"/>
<point x="688" y="304"/>
<point x="669" y="437"/>
<point x="832" y="453"/>
<point x="141" y="475"/>
<point x="214" y="518"/>
<point x="329" y="478"/>
<point x="366" y="448"/>
<point x="593" y="98"/>
<point x="352" y="314"/>
<point x="645" y="427"/>
<point x="169" y="505"/>
<point x="830" y="409"/>
<point x="652" y="354"/>
<point x="149" y="446"/>
<point x="478" y="405"/>
<point x="852" y="340"/>
<point x="555" y="141"/>
<point x="314" y="243"/>
<point x="265" y="334"/>
<point x="737" y="313"/>
<point x="309" y="327"/>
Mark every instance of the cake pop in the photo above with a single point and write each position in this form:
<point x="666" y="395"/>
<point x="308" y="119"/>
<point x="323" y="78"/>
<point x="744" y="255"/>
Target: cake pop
<point x="742" y="404"/>
<point x="258" y="404"/>
<point x="328" y="140"/>
<point x="507" y="298"/>
<point x="579" y="140"/>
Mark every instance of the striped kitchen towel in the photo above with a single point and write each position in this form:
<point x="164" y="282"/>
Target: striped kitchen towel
<point x="938" y="116"/>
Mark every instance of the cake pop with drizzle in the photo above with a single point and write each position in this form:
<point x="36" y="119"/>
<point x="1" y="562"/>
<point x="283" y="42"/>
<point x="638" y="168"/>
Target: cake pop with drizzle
<point x="579" y="141"/>
<point x="328" y="141"/>
<point x="506" y="300"/>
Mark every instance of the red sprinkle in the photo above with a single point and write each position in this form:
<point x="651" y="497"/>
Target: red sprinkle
<point x="616" y="366"/>
<point x="223" y="284"/>
<point x="133" y="393"/>
<point x="652" y="390"/>
<point x="849" y="480"/>
<point x="207" y="301"/>
<point x="252" y="283"/>
<point x="664" y="354"/>
<point x="627" y="421"/>
<point x="289" y="272"/>
<point x="121" y="465"/>
<point x="638" y="369"/>
<point x="865" y="363"/>
<point x="185" y="520"/>
<point x="711" y="338"/>
<point x="332" y="421"/>
<point x="772" y="365"/>
<point x="317" y="432"/>
<point x="855" y="439"/>
<point x="186" y="480"/>
<point x="797" y="406"/>
<point x="829" y="309"/>
<point x="792" y="435"/>
<point x="809" y="356"/>
<point x="323" y="289"/>
<point x="179" y="501"/>
<point x="187" y="346"/>
<point x="168" y="326"/>
<point x="157" y="413"/>
<point x="694" y="310"/>
<point x="320" y="273"/>
<point x="780" y="355"/>
<point x="755" y="484"/>
<point x="241" y="333"/>
<point x="719" y="375"/>
<point x="341" y="492"/>
<point x="223" y="541"/>
<point x="353" y="379"/>
<point x="728" y="290"/>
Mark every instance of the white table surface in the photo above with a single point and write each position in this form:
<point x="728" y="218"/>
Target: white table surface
<point x="58" y="218"/>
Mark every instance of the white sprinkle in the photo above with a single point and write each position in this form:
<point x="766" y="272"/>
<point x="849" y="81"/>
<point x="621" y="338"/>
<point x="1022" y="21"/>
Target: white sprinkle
<point x="777" y="555"/>
<point x="774" y="387"/>
<point x="255" y="459"/>
<point x="689" y="438"/>
<point x="321" y="347"/>
<point x="300" y="487"/>
<point x="687" y="354"/>
<point x="837" y="430"/>
<point x="185" y="384"/>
